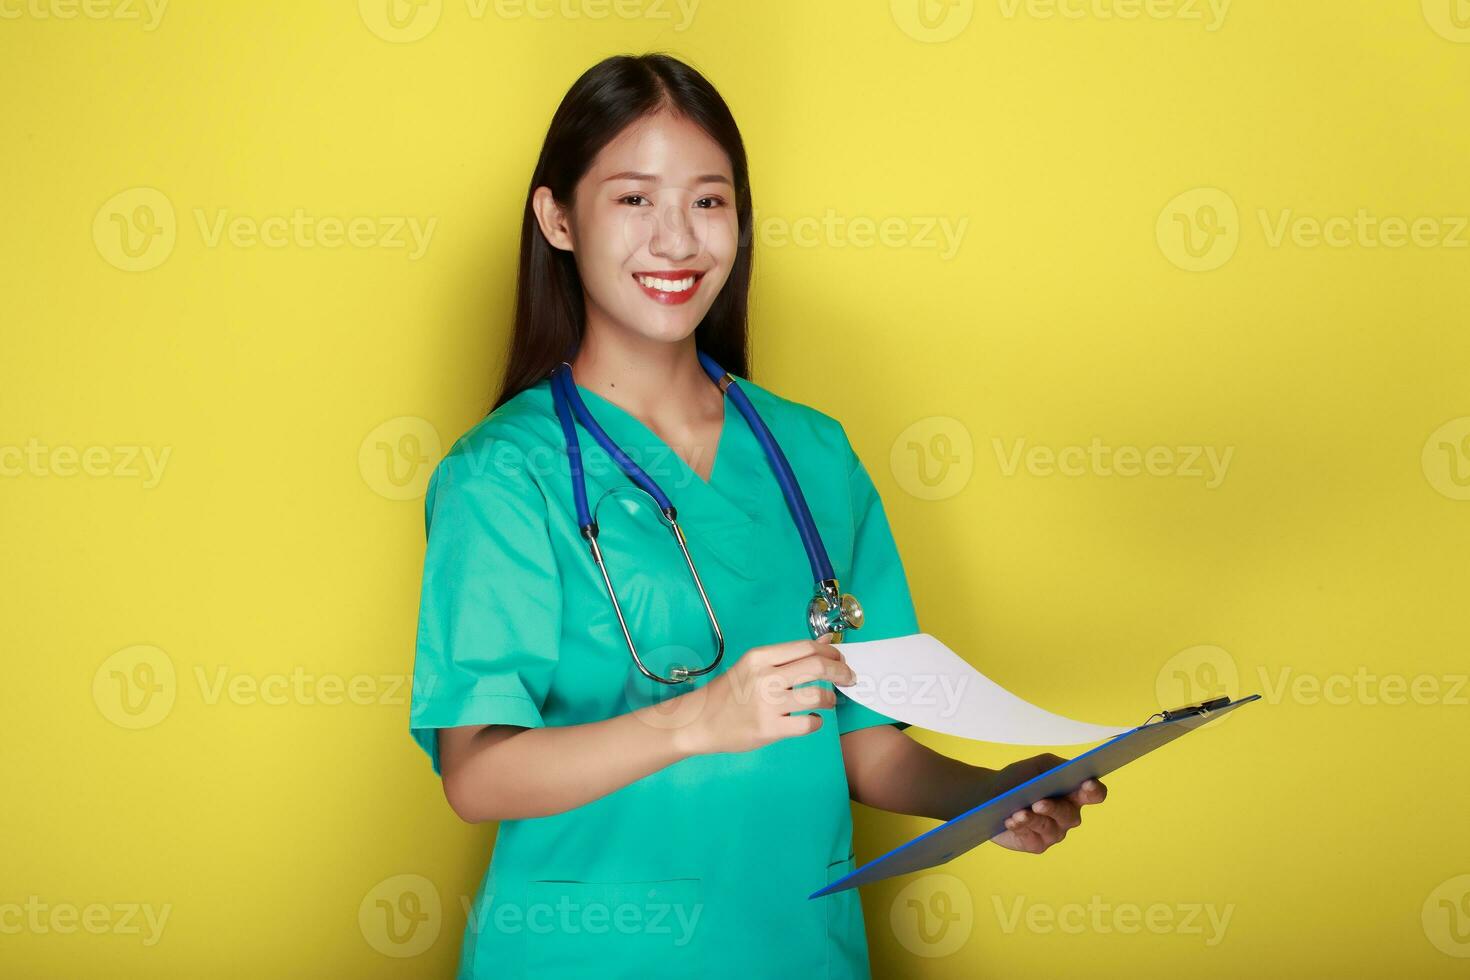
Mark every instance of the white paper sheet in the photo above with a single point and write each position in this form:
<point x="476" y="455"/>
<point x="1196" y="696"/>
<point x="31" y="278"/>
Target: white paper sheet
<point x="919" y="680"/>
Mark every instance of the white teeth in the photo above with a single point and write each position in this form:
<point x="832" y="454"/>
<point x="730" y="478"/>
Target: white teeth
<point x="667" y="285"/>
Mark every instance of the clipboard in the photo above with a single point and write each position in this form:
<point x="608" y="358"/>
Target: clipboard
<point x="974" y="827"/>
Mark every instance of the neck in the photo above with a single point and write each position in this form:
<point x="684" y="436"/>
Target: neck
<point x="662" y="384"/>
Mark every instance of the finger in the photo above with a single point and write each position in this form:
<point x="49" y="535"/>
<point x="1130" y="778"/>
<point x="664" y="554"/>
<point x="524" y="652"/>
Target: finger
<point x="796" y="725"/>
<point x="815" y="669"/>
<point x="1050" y="832"/>
<point x="1044" y="827"/>
<point x="1062" y="810"/>
<point x="1027" y="841"/>
<point x="1035" y="765"/>
<point x="1029" y="821"/>
<point x="785" y="653"/>
<point x="1018" y="833"/>
<point x="808" y="698"/>
<point x="1091" y="791"/>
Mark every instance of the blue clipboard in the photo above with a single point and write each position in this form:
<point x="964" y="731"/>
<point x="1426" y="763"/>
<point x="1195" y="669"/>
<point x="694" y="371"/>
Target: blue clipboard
<point x="975" y="827"/>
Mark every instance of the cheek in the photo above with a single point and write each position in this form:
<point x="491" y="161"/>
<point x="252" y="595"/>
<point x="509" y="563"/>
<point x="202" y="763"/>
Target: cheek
<point x="722" y="238"/>
<point x="607" y="243"/>
<point x="720" y="245"/>
<point x="604" y="258"/>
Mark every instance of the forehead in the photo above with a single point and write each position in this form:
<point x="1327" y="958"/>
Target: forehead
<point x="671" y="147"/>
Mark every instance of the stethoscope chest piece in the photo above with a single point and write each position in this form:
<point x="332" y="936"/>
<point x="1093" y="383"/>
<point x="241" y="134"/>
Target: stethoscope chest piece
<point x="832" y="611"/>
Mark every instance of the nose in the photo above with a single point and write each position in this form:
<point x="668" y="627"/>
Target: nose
<point x="674" y="236"/>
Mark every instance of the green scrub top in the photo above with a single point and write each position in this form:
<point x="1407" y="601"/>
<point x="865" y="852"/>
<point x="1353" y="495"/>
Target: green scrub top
<point x="703" y="868"/>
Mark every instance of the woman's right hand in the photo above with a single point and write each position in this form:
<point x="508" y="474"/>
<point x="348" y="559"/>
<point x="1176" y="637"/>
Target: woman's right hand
<point x="750" y="704"/>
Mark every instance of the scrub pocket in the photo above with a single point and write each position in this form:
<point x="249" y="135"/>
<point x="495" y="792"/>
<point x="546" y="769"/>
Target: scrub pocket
<point x="613" y="928"/>
<point x="847" y="943"/>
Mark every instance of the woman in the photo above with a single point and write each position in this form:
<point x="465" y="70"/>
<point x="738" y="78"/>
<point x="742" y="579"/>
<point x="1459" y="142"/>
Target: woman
<point x="647" y="828"/>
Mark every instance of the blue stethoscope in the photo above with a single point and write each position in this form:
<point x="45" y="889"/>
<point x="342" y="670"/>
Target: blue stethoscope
<point x="829" y="610"/>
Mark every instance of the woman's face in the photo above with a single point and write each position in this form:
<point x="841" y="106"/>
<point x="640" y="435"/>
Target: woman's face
<point x="653" y="228"/>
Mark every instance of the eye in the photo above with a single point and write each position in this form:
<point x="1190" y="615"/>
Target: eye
<point x="719" y="202"/>
<point x="627" y="197"/>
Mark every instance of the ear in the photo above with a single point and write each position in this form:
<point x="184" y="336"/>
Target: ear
<point x="552" y="218"/>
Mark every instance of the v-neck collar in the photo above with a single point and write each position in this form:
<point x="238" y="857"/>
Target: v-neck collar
<point x="699" y="502"/>
<point x="604" y="405"/>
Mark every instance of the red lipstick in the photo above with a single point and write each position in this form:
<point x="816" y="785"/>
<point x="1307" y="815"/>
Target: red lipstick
<point x="666" y="278"/>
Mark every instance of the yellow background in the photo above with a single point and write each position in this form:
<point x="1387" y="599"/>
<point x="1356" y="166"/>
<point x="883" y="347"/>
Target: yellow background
<point x="275" y="555"/>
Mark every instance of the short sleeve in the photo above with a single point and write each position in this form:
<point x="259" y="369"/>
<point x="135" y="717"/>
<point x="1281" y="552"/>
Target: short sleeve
<point x="490" y="607"/>
<point x="878" y="581"/>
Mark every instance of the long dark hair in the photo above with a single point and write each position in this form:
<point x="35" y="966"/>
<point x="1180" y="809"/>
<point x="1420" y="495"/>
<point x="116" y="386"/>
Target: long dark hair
<point x="610" y="96"/>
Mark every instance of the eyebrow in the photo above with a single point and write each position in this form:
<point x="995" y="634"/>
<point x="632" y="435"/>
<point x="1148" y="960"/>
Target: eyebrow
<point x="636" y="175"/>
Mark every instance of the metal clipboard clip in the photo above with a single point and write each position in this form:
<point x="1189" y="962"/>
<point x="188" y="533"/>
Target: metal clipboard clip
<point x="1186" y="710"/>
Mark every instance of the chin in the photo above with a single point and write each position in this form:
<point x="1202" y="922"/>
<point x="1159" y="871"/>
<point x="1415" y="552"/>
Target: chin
<point x="669" y="325"/>
<point x="672" y="331"/>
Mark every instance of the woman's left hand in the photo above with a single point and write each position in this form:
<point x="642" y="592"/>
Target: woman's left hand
<point x="1047" y="821"/>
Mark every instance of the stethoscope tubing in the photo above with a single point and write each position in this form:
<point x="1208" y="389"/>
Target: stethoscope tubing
<point x="565" y="394"/>
<point x="811" y="540"/>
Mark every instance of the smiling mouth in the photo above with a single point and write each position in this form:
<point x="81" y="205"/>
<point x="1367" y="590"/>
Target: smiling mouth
<point x="669" y="287"/>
